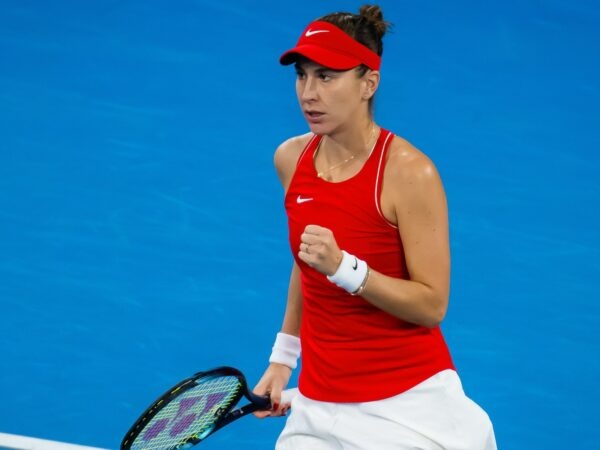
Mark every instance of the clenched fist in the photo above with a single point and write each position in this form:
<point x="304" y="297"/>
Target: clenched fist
<point x="319" y="249"/>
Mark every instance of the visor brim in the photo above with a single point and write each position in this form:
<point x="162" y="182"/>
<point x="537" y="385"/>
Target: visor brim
<point x="322" y="56"/>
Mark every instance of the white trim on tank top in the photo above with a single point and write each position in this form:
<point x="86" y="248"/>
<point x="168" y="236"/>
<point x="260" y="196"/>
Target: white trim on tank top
<point x="380" y="177"/>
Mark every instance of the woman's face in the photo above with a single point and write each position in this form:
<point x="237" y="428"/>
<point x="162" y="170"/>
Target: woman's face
<point x="329" y="98"/>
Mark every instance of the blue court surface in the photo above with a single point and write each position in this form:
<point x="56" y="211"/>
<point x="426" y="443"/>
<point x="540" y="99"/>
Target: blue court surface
<point x="142" y="232"/>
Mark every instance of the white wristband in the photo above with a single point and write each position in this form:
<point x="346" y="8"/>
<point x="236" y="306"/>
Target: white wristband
<point x="286" y="350"/>
<point x="351" y="274"/>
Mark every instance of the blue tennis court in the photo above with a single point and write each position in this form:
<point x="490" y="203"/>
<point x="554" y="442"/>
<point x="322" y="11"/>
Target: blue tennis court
<point x="142" y="230"/>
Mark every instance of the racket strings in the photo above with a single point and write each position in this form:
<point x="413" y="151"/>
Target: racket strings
<point x="189" y="415"/>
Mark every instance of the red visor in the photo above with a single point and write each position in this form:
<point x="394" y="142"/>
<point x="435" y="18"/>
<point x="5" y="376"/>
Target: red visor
<point x="329" y="46"/>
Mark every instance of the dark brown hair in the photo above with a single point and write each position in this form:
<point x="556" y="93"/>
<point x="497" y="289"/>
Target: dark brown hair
<point x="366" y="27"/>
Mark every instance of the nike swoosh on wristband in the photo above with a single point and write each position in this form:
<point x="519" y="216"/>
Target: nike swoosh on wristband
<point x="303" y="200"/>
<point x="355" y="266"/>
<point x="309" y="33"/>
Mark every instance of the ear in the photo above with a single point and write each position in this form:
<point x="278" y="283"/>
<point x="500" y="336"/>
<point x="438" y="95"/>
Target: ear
<point x="370" y="83"/>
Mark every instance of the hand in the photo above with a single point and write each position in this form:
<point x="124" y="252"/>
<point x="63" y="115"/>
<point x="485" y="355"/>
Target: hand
<point x="319" y="249"/>
<point x="273" y="382"/>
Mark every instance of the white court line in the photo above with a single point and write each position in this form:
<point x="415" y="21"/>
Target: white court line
<point x="15" y="442"/>
<point x="12" y="441"/>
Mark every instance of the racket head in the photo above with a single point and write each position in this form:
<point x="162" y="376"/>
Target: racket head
<point x="190" y="411"/>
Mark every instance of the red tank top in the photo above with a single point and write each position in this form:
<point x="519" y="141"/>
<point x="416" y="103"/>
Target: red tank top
<point x="351" y="350"/>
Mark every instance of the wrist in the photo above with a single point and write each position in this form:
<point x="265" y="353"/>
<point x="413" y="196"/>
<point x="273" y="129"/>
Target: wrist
<point x="338" y="262"/>
<point x="286" y="350"/>
<point x="351" y="274"/>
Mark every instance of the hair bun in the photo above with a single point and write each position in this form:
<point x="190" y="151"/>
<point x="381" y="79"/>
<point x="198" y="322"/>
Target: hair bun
<point x="373" y="14"/>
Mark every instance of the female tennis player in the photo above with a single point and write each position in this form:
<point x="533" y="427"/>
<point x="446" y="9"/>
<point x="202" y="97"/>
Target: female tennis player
<point x="368" y="228"/>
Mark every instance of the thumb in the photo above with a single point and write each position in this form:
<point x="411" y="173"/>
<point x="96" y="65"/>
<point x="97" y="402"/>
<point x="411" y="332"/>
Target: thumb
<point x="262" y="389"/>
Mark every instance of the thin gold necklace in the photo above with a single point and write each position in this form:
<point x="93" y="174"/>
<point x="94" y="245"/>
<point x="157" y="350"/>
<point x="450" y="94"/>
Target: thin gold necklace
<point x="335" y="166"/>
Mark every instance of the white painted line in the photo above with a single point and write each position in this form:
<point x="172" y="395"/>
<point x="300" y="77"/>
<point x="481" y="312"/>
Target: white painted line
<point x="12" y="441"/>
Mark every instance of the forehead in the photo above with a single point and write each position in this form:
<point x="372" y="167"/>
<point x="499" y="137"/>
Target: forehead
<point x="306" y="64"/>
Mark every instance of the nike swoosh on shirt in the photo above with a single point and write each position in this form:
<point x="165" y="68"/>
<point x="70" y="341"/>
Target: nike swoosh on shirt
<point x="303" y="200"/>
<point x="309" y="33"/>
<point x="355" y="266"/>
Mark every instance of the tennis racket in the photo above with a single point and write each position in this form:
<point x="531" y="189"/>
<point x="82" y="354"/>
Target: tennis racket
<point x="194" y="409"/>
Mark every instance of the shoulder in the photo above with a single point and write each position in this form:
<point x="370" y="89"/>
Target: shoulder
<point x="289" y="151"/>
<point x="411" y="181"/>
<point x="287" y="154"/>
<point x="407" y="165"/>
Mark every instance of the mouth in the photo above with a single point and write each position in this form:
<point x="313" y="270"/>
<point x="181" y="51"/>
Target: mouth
<point x="313" y="116"/>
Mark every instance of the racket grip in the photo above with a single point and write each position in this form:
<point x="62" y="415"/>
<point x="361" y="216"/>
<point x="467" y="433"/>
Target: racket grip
<point x="288" y="395"/>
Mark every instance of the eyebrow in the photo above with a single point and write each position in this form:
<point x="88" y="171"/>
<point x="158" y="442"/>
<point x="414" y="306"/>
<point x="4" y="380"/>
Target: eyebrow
<point x="319" y="70"/>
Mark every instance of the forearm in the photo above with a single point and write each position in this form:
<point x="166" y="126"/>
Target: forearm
<point x="416" y="301"/>
<point x="409" y="300"/>
<point x="286" y="349"/>
<point x="293" y="310"/>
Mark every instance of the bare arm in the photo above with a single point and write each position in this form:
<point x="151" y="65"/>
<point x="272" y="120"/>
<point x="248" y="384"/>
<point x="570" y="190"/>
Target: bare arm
<point x="293" y="310"/>
<point x="285" y="159"/>
<point x="276" y="376"/>
<point x="414" y="198"/>
<point x="417" y="198"/>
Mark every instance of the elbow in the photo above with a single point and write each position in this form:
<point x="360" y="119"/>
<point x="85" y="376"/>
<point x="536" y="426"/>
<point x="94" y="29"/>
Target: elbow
<point x="437" y="313"/>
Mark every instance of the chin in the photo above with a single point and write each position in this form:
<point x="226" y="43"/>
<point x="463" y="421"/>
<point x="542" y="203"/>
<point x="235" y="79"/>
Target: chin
<point x="319" y="128"/>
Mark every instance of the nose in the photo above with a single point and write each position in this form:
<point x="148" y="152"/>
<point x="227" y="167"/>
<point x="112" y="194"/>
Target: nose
<point x="308" y="89"/>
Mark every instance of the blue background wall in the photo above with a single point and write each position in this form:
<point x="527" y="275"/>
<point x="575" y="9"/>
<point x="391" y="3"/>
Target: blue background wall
<point x="142" y="234"/>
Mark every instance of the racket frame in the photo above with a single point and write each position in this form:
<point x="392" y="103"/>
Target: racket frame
<point x="257" y="402"/>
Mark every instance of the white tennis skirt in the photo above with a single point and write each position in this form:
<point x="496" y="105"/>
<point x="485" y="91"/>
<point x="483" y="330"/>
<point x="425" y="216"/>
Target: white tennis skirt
<point x="434" y="415"/>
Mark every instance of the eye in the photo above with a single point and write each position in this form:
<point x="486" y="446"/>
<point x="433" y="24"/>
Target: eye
<point x="324" y="76"/>
<point x="300" y="75"/>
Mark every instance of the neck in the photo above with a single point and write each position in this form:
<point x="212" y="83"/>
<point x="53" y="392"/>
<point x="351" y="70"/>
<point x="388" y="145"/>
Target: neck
<point x="352" y="139"/>
<point x="339" y="151"/>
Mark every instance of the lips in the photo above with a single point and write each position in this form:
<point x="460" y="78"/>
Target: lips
<point x="313" y="116"/>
